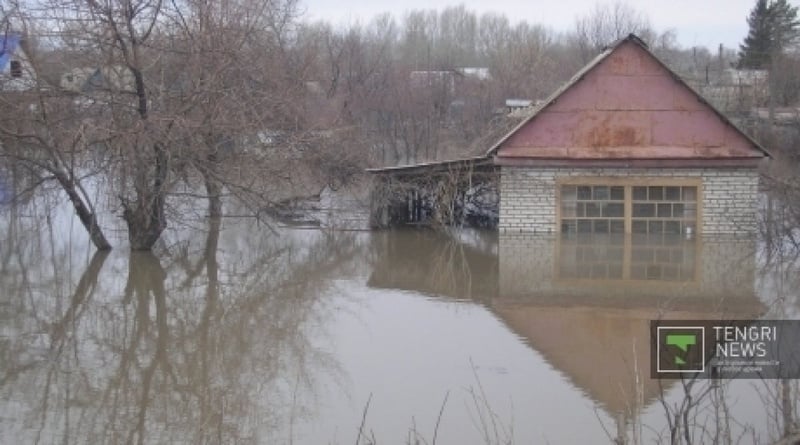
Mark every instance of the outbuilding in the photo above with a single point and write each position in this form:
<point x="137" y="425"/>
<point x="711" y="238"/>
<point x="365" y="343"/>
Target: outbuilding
<point x="625" y="146"/>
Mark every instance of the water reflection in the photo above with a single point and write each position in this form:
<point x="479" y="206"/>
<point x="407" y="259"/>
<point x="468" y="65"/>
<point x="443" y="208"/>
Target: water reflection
<point x="584" y="303"/>
<point x="236" y="335"/>
<point x="204" y="344"/>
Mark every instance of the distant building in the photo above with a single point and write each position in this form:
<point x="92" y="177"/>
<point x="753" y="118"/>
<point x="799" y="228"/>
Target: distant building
<point x="517" y="104"/>
<point x="737" y="77"/>
<point x="16" y="71"/>
<point x="112" y="78"/>
<point x="737" y="90"/>
<point x="75" y="79"/>
<point x="479" y="73"/>
<point x="444" y="80"/>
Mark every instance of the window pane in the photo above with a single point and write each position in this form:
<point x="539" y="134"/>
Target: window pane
<point x="601" y="226"/>
<point x="639" y="226"/>
<point x="644" y="210"/>
<point x="656" y="227"/>
<point x="689" y="193"/>
<point x="673" y="227"/>
<point x="600" y="192"/>
<point x="672" y="193"/>
<point x="569" y="193"/>
<point x="580" y="210"/>
<point x="584" y="226"/>
<point x="640" y="193"/>
<point x="677" y="210"/>
<point x="568" y="209"/>
<point x="584" y="192"/>
<point x="665" y="210"/>
<point x="614" y="210"/>
<point x="569" y="226"/>
<point x="690" y="210"/>
<point x="655" y="193"/>
<point x="617" y="226"/>
<point x="592" y="209"/>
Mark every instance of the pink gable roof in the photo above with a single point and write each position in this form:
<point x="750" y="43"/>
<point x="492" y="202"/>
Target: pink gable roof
<point x="626" y="104"/>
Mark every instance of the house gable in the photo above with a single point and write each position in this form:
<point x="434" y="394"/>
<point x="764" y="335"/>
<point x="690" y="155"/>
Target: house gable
<point x="16" y="71"/>
<point x="627" y="105"/>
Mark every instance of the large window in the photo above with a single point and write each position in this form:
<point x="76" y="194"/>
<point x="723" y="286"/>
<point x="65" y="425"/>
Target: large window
<point x="668" y="207"/>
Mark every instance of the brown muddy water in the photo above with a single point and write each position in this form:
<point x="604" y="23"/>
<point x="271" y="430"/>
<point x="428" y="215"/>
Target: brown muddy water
<point x="274" y="336"/>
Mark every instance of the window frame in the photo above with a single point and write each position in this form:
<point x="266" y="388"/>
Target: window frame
<point x="15" y="68"/>
<point x="628" y="182"/>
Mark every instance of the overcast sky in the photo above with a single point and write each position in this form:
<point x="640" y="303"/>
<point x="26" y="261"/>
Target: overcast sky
<point x="696" y="22"/>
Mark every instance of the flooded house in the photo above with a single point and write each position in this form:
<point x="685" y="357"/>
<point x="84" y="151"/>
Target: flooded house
<point x="16" y="71"/>
<point x="625" y="146"/>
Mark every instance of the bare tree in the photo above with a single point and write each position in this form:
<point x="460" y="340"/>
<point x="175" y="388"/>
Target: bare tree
<point x="605" y="24"/>
<point x="181" y="90"/>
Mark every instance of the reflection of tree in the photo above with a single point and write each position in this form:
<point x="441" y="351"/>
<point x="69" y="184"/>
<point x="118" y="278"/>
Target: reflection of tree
<point x="213" y="345"/>
<point x="433" y="263"/>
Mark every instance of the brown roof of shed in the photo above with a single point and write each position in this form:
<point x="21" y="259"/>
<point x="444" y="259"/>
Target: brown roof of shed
<point x="621" y="152"/>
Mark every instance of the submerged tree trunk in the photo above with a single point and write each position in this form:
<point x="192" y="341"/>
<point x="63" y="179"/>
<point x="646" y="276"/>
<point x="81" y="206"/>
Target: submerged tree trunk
<point x="146" y="219"/>
<point x="84" y="211"/>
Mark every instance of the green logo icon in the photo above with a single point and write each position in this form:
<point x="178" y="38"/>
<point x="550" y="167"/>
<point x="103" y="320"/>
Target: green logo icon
<point x="680" y="349"/>
<point x="682" y="341"/>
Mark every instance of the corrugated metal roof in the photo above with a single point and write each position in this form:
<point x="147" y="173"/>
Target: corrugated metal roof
<point x="9" y="43"/>
<point x="594" y="63"/>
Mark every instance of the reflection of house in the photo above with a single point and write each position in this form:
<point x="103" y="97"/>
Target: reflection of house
<point x="584" y="303"/>
<point x="624" y="147"/>
<point x="16" y="71"/>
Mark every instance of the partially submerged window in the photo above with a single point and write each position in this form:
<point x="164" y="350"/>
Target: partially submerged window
<point x="15" y="68"/>
<point x="592" y="209"/>
<point x="664" y="209"/>
<point x="613" y="207"/>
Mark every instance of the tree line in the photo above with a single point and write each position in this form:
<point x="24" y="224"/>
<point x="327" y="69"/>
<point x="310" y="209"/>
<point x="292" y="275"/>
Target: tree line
<point x="246" y="100"/>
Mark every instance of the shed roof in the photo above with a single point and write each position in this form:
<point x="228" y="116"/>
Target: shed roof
<point x="558" y="135"/>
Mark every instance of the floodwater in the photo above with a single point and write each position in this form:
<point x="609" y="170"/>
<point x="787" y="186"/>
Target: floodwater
<point x="242" y="333"/>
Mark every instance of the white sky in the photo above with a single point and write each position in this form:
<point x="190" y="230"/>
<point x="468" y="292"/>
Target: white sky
<point x="696" y="22"/>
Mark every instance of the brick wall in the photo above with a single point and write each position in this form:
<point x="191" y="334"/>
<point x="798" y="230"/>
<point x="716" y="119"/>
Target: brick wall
<point x="528" y="196"/>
